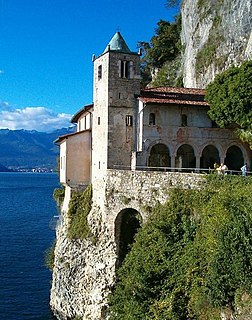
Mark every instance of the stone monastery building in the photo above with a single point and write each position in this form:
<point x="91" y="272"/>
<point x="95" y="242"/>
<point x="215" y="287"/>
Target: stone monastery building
<point x="132" y="129"/>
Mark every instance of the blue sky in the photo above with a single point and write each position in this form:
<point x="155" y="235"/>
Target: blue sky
<point x="46" y="71"/>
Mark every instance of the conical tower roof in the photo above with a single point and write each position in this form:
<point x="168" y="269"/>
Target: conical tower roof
<point x="117" y="43"/>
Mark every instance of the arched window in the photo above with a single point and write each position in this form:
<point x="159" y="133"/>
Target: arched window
<point x="125" y="69"/>
<point x="152" y="119"/>
<point x="183" y="120"/>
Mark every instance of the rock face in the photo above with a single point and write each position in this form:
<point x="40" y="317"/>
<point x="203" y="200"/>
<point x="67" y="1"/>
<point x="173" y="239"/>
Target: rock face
<point x="85" y="270"/>
<point x="215" y="35"/>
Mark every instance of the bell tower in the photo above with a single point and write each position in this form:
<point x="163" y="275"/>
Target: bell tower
<point x="116" y="87"/>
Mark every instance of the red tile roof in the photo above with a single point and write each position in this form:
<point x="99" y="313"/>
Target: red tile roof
<point x="170" y="95"/>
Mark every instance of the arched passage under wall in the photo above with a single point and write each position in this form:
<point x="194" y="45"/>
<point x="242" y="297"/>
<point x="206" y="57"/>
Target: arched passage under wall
<point x="127" y="223"/>
<point x="210" y="156"/>
<point x="234" y="158"/>
<point x="159" y="156"/>
<point x="185" y="157"/>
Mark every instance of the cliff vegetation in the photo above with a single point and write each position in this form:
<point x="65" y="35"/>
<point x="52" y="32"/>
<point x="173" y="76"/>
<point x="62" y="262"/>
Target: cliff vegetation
<point x="206" y="38"/>
<point x="161" y="59"/>
<point x="193" y="258"/>
<point x="230" y="96"/>
<point x="79" y="208"/>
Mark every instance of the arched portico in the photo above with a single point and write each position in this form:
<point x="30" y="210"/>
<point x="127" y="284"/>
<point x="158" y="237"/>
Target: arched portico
<point x="159" y="156"/>
<point x="185" y="157"/>
<point x="210" y="156"/>
<point x="234" y="158"/>
<point x="127" y="223"/>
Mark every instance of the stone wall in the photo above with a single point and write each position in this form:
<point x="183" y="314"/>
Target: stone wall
<point x="141" y="189"/>
<point x="84" y="271"/>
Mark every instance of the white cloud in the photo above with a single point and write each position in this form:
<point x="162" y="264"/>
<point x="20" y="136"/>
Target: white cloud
<point x="32" y="118"/>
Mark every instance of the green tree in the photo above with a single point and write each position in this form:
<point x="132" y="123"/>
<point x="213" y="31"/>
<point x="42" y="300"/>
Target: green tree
<point x="164" y="46"/>
<point x="230" y="100"/>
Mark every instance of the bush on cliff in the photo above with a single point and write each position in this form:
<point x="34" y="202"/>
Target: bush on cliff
<point x="229" y="97"/>
<point x="58" y="195"/>
<point x="79" y="208"/>
<point x="193" y="258"/>
<point x="49" y="256"/>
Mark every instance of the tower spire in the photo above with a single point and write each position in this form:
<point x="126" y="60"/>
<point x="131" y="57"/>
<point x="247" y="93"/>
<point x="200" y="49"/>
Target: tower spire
<point x="117" y="43"/>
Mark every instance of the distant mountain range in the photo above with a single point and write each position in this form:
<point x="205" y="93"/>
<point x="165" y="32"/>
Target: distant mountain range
<point x="23" y="149"/>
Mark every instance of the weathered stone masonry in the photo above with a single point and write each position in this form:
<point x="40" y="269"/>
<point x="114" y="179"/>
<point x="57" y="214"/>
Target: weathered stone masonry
<point x="84" y="271"/>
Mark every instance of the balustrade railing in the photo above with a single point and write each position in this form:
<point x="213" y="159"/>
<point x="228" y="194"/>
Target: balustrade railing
<point x="182" y="170"/>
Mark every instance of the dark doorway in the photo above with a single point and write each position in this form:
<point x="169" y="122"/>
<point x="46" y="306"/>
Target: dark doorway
<point x="185" y="157"/>
<point x="210" y="156"/>
<point x="234" y="158"/>
<point x="127" y="224"/>
<point x="159" y="156"/>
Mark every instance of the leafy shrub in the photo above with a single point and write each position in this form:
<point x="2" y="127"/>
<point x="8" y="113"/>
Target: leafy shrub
<point x="192" y="258"/>
<point x="79" y="208"/>
<point x="163" y="50"/>
<point x="229" y="97"/>
<point x="58" y="195"/>
<point x="49" y="257"/>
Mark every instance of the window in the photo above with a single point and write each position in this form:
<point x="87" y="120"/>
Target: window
<point x="183" y="120"/>
<point x="99" y="72"/>
<point x="125" y="69"/>
<point x="152" y="119"/>
<point x="99" y="120"/>
<point x="62" y="163"/>
<point x="129" y="121"/>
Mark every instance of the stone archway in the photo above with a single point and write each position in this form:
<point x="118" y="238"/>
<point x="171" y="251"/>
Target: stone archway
<point x="159" y="156"/>
<point x="234" y="158"/>
<point x="185" y="157"/>
<point x="127" y="223"/>
<point x="210" y="156"/>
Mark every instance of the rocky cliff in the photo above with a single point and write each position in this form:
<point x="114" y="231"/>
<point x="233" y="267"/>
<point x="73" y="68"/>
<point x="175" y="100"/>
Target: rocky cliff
<point x="215" y="35"/>
<point x="84" y="271"/>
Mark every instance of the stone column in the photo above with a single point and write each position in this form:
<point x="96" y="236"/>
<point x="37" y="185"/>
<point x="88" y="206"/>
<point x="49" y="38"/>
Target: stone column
<point x="133" y="161"/>
<point x="197" y="163"/>
<point x="173" y="162"/>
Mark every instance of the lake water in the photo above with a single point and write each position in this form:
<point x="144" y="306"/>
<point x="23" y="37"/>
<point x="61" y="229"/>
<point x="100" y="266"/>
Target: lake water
<point x="26" y="208"/>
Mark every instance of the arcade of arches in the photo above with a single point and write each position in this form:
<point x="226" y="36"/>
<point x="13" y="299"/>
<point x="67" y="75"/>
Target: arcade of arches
<point x="185" y="157"/>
